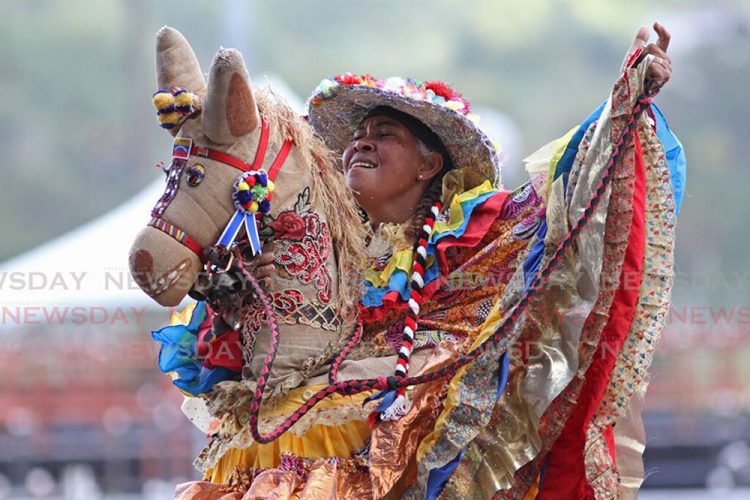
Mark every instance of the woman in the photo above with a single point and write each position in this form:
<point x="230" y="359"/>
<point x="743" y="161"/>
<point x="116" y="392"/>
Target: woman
<point x="438" y="283"/>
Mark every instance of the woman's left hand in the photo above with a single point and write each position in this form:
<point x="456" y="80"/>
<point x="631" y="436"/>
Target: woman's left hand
<point x="660" y="69"/>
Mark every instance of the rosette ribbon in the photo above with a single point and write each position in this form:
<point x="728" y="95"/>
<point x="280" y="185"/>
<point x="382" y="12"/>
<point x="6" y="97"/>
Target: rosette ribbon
<point x="252" y="195"/>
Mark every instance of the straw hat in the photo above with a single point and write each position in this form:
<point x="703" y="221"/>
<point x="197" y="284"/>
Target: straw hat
<point x="339" y="105"/>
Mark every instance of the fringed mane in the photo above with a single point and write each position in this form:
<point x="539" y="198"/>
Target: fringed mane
<point x="327" y="187"/>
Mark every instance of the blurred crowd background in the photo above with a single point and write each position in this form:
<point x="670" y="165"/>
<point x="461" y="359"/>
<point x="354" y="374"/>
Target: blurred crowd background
<point x="84" y="411"/>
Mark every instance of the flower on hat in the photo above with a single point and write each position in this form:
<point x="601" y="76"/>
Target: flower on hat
<point x="442" y="89"/>
<point x="435" y="92"/>
<point x="352" y="79"/>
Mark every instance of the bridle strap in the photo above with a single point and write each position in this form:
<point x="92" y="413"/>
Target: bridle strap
<point x="227" y="159"/>
<point x="233" y="161"/>
<point x="179" y="235"/>
<point x="280" y="159"/>
<point x="260" y="155"/>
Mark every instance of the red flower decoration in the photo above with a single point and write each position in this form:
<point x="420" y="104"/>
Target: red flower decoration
<point x="444" y="90"/>
<point x="288" y="225"/>
<point x="352" y="79"/>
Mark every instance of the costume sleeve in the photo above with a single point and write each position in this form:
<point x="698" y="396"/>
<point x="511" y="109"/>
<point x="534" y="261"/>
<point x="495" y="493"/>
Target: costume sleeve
<point x="547" y="394"/>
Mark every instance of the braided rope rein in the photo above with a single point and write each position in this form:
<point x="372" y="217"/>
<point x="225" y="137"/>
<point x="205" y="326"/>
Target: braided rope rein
<point x="395" y="404"/>
<point x="352" y="387"/>
<point x="334" y="370"/>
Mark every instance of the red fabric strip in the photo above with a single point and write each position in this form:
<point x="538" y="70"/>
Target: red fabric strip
<point x="609" y="437"/>
<point x="480" y="222"/>
<point x="634" y="57"/>
<point x="565" y="475"/>
<point x="221" y="157"/>
<point x="193" y="245"/>
<point x="225" y="351"/>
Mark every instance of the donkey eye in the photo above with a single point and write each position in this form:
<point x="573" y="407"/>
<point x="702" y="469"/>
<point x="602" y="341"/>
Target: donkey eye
<point x="195" y="174"/>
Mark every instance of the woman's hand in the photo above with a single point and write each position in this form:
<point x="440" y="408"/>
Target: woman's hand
<point x="660" y="70"/>
<point x="262" y="269"/>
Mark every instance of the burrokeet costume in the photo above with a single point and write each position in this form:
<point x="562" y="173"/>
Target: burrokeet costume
<point x="566" y="336"/>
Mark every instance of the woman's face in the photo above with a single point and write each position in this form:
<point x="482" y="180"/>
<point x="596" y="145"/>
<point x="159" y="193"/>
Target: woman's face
<point x="384" y="164"/>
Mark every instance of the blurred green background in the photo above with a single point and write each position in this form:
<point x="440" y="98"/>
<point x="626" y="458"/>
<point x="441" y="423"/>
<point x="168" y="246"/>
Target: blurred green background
<point x="79" y="136"/>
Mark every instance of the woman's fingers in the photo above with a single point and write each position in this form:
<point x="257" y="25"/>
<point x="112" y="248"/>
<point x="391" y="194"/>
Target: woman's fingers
<point x="265" y="271"/>
<point x="263" y="259"/>
<point x="661" y="56"/>
<point x="265" y="283"/>
<point x="664" y="36"/>
<point x="264" y="266"/>
<point x="641" y="38"/>
<point x="660" y="70"/>
<point x="661" y="61"/>
<point x="654" y="49"/>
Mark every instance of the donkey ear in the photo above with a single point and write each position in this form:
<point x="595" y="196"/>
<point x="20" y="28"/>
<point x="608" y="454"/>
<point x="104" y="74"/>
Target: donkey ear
<point x="230" y="110"/>
<point x="176" y="64"/>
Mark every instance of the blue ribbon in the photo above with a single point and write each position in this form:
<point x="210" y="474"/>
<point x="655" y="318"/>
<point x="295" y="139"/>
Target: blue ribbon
<point x="252" y="233"/>
<point x="239" y="219"/>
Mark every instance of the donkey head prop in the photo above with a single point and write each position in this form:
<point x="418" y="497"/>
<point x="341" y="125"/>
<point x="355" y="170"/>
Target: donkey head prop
<point x="243" y="160"/>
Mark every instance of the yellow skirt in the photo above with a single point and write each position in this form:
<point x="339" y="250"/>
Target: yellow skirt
<point x="320" y="441"/>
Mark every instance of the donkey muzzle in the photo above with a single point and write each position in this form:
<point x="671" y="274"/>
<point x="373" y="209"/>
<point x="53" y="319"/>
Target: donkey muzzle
<point x="162" y="267"/>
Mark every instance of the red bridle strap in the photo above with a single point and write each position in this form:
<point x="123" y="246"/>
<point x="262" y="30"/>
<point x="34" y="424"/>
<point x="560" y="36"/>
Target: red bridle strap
<point x="179" y="235"/>
<point x="233" y="161"/>
<point x="280" y="159"/>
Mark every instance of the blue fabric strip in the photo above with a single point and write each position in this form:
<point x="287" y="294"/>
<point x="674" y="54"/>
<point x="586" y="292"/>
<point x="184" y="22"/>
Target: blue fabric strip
<point x="202" y="380"/>
<point x="675" y="156"/>
<point x="373" y="297"/>
<point x="571" y="150"/>
<point x="534" y="259"/>
<point x="252" y="233"/>
<point x="198" y="316"/>
<point x="467" y="207"/>
<point x="178" y="355"/>
<point x="564" y="165"/>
